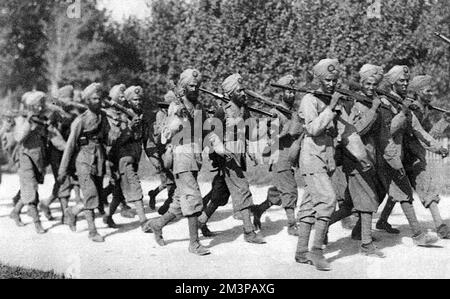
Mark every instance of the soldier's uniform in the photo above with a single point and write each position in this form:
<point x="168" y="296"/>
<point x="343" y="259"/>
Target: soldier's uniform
<point x="187" y="201"/>
<point x="90" y="132"/>
<point x="323" y="130"/>
<point x="415" y="162"/>
<point x="229" y="155"/>
<point x="126" y="154"/>
<point x="364" y="191"/>
<point x="441" y="129"/>
<point x="396" y="125"/>
<point x="59" y="133"/>
<point x="285" y="190"/>
<point x="156" y="152"/>
<point x="32" y="138"/>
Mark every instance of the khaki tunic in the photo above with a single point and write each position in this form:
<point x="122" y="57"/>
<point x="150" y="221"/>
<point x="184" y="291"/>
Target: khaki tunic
<point x="86" y="148"/>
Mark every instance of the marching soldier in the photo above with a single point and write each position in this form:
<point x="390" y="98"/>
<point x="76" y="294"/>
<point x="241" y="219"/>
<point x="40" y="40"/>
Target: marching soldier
<point x="230" y="158"/>
<point x="398" y="123"/>
<point x="59" y="132"/>
<point x="90" y="132"/>
<point x="285" y="190"/>
<point x="126" y="154"/>
<point x="186" y="113"/>
<point x="415" y="161"/>
<point x="317" y="165"/>
<point x="156" y="152"/>
<point x="323" y="125"/>
<point x="118" y="120"/>
<point x="364" y="190"/>
<point x="31" y="135"/>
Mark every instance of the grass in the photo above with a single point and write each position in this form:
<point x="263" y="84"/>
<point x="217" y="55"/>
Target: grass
<point x="8" y="272"/>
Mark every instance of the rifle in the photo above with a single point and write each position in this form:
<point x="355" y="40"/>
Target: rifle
<point x="443" y="37"/>
<point x="227" y="100"/>
<point x="345" y="92"/>
<point x="128" y="112"/>
<point x="268" y="102"/>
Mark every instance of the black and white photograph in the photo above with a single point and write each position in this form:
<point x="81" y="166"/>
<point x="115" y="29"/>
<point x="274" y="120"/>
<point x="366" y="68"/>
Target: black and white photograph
<point x="219" y="140"/>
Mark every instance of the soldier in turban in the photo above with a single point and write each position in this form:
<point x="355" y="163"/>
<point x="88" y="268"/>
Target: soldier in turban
<point x="32" y="137"/>
<point x="178" y="131"/>
<point x="90" y="133"/>
<point x="418" y="171"/>
<point x="398" y="123"/>
<point x="285" y="190"/>
<point x="317" y="165"/>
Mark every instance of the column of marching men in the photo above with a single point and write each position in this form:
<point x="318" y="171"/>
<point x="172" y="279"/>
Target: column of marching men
<point x="377" y="147"/>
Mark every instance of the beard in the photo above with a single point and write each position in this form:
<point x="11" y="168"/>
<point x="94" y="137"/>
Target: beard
<point x="192" y="96"/>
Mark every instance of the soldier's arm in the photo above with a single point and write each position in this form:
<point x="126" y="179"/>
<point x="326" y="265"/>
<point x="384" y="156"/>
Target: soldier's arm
<point x="398" y="122"/>
<point x="363" y="121"/>
<point x="22" y="129"/>
<point x="75" y="133"/>
<point x="315" y="123"/>
<point x="57" y="139"/>
<point x="431" y="144"/>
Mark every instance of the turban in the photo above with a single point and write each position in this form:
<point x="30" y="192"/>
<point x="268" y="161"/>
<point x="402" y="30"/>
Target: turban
<point x="370" y="70"/>
<point x="66" y="93"/>
<point x="326" y="67"/>
<point x="132" y="92"/>
<point x="420" y="82"/>
<point x="116" y="92"/>
<point x="396" y="72"/>
<point x="170" y="97"/>
<point x="232" y="84"/>
<point x="189" y="76"/>
<point x="91" y="90"/>
<point x="288" y="80"/>
<point x="33" y="98"/>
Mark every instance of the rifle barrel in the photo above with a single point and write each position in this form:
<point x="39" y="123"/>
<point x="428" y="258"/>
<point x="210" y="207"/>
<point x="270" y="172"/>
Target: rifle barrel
<point x="227" y="100"/>
<point x="443" y="37"/>
<point x="267" y="102"/>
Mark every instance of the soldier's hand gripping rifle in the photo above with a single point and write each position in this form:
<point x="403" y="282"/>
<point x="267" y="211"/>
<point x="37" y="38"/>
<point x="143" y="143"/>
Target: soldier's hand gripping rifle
<point x="226" y="100"/>
<point x="268" y="102"/>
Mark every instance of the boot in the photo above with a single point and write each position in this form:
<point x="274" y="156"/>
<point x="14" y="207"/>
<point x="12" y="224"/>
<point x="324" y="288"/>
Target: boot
<point x="249" y="231"/>
<point x="387" y="228"/>
<point x="109" y="221"/>
<point x="206" y="232"/>
<point x="15" y="214"/>
<point x="33" y="211"/>
<point x="317" y="258"/>
<point x="93" y="234"/>
<point x="152" y="201"/>
<point x="356" y="232"/>
<point x="382" y="223"/>
<point x="443" y="232"/>
<point x="195" y="246"/>
<point x="71" y="219"/>
<point x="258" y="211"/>
<point x="140" y="211"/>
<point x="127" y="212"/>
<point x="371" y="250"/>
<point x="425" y="240"/>
<point x="165" y="207"/>
<point x="156" y="226"/>
<point x="304" y="232"/>
<point x="292" y="223"/>
<point x="316" y="255"/>
<point x="46" y="210"/>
